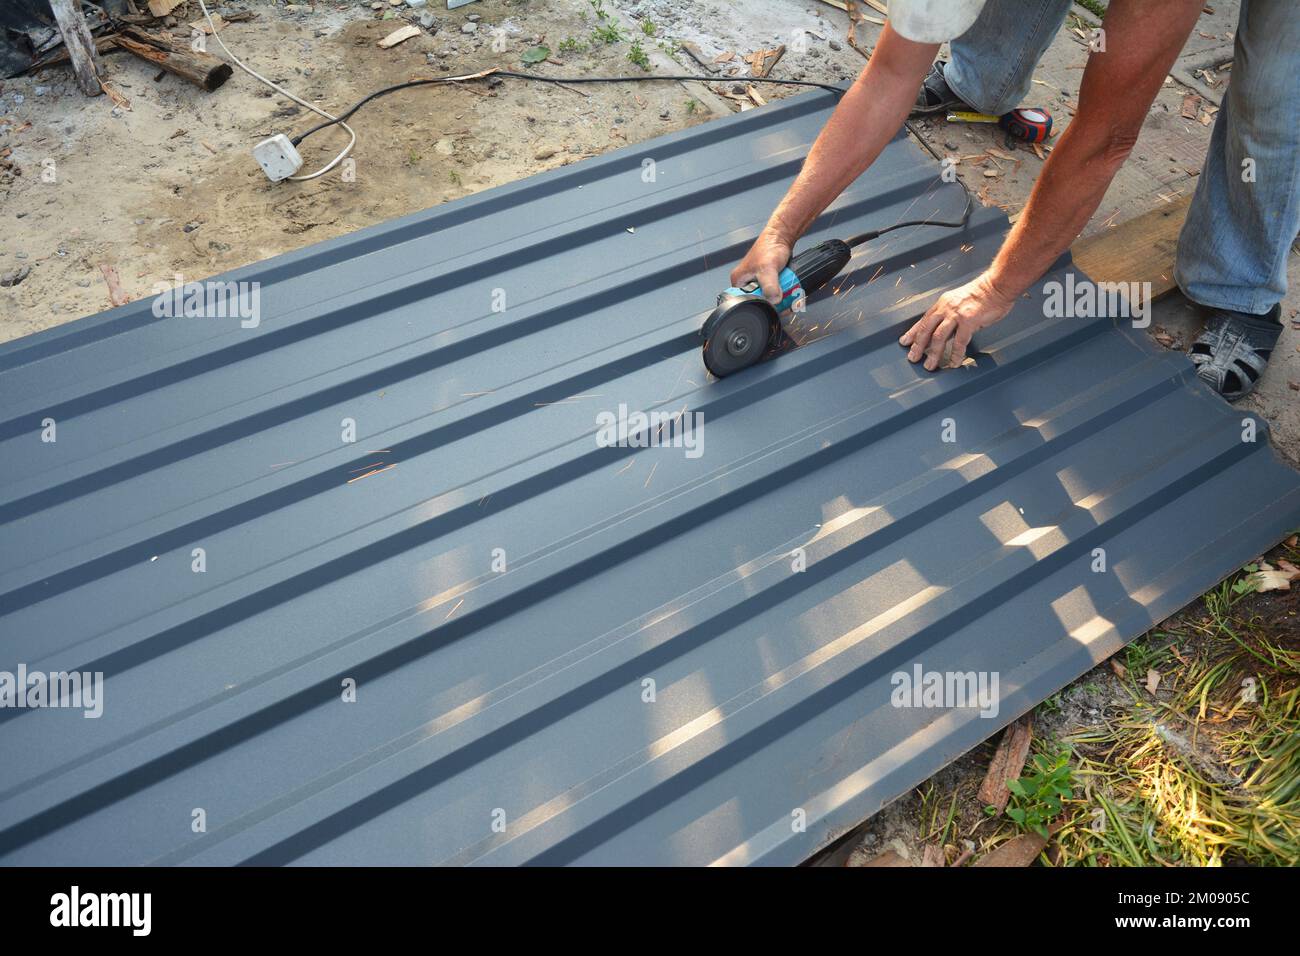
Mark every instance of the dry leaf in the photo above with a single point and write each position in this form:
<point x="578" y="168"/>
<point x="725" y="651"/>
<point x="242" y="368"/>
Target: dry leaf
<point x="115" y="293"/>
<point x="1153" y="681"/>
<point x="202" y="25"/>
<point x="1270" y="580"/>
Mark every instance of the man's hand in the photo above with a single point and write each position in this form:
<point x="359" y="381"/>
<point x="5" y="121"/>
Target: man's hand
<point x="764" y="262"/>
<point x="956" y="316"/>
<point x="866" y="118"/>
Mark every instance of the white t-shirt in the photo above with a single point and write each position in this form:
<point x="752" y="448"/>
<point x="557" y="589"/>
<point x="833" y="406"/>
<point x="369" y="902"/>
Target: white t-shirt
<point x="933" y="21"/>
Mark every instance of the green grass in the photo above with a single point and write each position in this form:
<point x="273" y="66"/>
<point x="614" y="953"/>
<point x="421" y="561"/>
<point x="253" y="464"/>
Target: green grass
<point x="1036" y="797"/>
<point x="1095" y="7"/>
<point x="1204" y="772"/>
<point x="638" y="56"/>
<point x="607" y="34"/>
<point x="1199" y="774"/>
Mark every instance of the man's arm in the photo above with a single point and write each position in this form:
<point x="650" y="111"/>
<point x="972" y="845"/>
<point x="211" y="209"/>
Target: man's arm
<point x="1142" y="41"/>
<point x="867" y="117"/>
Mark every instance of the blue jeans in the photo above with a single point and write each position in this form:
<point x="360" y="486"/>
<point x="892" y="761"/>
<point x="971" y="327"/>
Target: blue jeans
<point x="1233" y="249"/>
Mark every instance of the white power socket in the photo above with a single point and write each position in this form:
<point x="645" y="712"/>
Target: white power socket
<point x="277" y="157"/>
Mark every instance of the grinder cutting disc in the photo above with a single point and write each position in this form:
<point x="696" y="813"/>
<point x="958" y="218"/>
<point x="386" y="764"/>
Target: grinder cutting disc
<point x="738" y="332"/>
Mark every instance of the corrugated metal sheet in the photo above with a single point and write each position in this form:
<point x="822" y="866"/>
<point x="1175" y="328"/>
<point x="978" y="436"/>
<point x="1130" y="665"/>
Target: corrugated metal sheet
<point x="521" y="697"/>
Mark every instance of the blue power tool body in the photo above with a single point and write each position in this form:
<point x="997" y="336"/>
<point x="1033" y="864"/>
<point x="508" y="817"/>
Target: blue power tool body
<point x="745" y="326"/>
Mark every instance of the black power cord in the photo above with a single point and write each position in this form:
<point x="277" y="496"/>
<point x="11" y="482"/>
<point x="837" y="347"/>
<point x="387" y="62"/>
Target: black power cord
<point x="549" y="79"/>
<point x="838" y="91"/>
<point x="862" y="237"/>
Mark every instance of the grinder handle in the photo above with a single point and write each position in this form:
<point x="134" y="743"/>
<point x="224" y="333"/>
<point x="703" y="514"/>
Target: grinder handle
<point x="819" y="265"/>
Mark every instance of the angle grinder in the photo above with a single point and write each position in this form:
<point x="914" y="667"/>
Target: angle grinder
<point x="745" y="327"/>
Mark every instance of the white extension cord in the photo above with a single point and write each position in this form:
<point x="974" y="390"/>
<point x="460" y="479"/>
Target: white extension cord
<point x="283" y="92"/>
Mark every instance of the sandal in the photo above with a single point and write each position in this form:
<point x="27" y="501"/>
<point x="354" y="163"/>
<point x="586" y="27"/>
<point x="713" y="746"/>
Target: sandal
<point x="935" y="95"/>
<point x="1232" y="350"/>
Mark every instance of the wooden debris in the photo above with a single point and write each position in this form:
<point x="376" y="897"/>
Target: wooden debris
<point x="762" y="62"/>
<point x="118" y="99"/>
<point x="755" y="96"/>
<point x="1120" y="670"/>
<point x="1191" y="106"/>
<point x="196" y="66"/>
<point x="400" y="35"/>
<point x="725" y="57"/>
<point x="114" y="283"/>
<point x="1008" y="762"/>
<point x="59" y="56"/>
<point x="160" y="8"/>
<point x="81" y="48"/>
<point x="1019" y="851"/>
<point x="698" y="56"/>
<point x="855" y="15"/>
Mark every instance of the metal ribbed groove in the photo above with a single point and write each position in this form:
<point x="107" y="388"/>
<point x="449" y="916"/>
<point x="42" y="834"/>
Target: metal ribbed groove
<point x="521" y="691"/>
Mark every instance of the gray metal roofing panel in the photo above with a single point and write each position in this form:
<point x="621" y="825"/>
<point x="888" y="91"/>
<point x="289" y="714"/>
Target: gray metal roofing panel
<point x="523" y="691"/>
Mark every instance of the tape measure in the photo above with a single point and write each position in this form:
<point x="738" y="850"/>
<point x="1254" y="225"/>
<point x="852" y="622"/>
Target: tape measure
<point x="1030" y="123"/>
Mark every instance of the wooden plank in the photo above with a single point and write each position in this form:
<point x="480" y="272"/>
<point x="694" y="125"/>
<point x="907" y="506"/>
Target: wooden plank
<point x="80" y="45"/>
<point x="1140" y="250"/>
<point x="698" y="56"/>
<point x="1008" y="761"/>
<point x="841" y="5"/>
